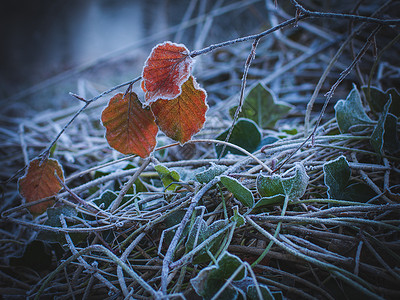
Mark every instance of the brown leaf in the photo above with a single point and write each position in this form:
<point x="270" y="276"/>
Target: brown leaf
<point x="182" y="117"/>
<point x="130" y="129"/>
<point x="165" y="70"/>
<point x="40" y="182"/>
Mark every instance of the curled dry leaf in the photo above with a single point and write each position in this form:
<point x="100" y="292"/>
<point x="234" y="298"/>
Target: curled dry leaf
<point x="182" y="117"/>
<point x="40" y="182"/>
<point x="130" y="128"/>
<point x="165" y="70"/>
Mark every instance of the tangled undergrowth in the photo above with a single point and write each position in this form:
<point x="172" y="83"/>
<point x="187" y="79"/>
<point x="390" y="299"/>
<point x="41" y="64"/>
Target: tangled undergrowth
<point x="286" y="214"/>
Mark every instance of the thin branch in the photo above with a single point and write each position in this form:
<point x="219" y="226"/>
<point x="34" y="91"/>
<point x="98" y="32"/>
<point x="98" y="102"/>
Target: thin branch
<point x="250" y="58"/>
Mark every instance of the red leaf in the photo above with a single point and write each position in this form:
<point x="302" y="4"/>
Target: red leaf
<point x="130" y="129"/>
<point x="40" y="182"/>
<point x="182" y="117"/>
<point x="165" y="70"/>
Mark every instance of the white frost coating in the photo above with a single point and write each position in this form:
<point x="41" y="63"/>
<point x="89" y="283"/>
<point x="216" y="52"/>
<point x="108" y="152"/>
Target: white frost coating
<point x="181" y="73"/>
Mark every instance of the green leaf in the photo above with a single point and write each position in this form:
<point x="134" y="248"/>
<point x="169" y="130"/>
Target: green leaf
<point x="107" y="197"/>
<point x="53" y="220"/>
<point x="294" y="187"/>
<point x="253" y="295"/>
<point x="377" y="99"/>
<point x="168" y="177"/>
<point x="262" y="107"/>
<point x="350" y="112"/>
<point x="273" y="186"/>
<point x="209" y="174"/>
<point x="267" y="141"/>
<point x="201" y="231"/>
<point x="268" y="186"/>
<point x="245" y="134"/>
<point x="173" y="219"/>
<point x="240" y="192"/>
<point x="272" y="200"/>
<point x="237" y="217"/>
<point x="210" y="280"/>
<point x="377" y="137"/>
<point x="391" y="137"/>
<point x="337" y="178"/>
<point x="37" y="255"/>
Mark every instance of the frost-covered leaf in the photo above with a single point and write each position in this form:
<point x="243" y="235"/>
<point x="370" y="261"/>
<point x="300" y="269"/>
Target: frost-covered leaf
<point x="377" y="137"/>
<point x="40" y="182"/>
<point x="130" y="129"/>
<point x="273" y="186"/>
<point x="165" y="70"/>
<point x="182" y="117"/>
<point x="210" y="280"/>
<point x="350" y="112"/>
<point x="272" y="200"/>
<point x="237" y="217"/>
<point x="268" y="186"/>
<point x="295" y="187"/>
<point x="391" y="135"/>
<point x="337" y="178"/>
<point x="168" y="177"/>
<point x="53" y="220"/>
<point x="107" y="197"/>
<point x="253" y="295"/>
<point x="377" y="99"/>
<point x="262" y="107"/>
<point x="241" y="193"/>
<point x="199" y="232"/>
<point x="209" y="174"/>
<point x="245" y="134"/>
<point x="37" y="255"/>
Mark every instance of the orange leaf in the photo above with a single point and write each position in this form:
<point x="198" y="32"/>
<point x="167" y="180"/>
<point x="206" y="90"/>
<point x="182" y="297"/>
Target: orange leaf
<point x="130" y="129"/>
<point x="40" y="182"/>
<point x="182" y="117"/>
<point x="165" y="70"/>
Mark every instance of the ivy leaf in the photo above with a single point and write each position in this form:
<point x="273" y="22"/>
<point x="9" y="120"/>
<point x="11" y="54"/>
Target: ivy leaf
<point x="377" y="137"/>
<point x="253" y="295"/>
<point x="268" y="186"/>
<point x="201" y="231"/>
<point x="180" y="118"/>
<point x="391" y="138"/>
<point x="273" y="189"/>
<point x="262" y="107"/>
<point x="237" y="217"/>
<point x="107" y="197"/>
<point x="165" y="70"/>
<point x="271" y="200"/>
<point x="37" y="255"/>
<point x="378" y="98"/>
<point x="209" y="174"/>
<point x="293" y="187"/>
<point x="241" y="193"/>
<point x="130" y="129"/>
<point x="168" y="177"/>
<point x="337" y="178"/>
<point x="210" y="279"/>
<point x="245" y="134"/>
<point x="40" y="182"/>
<point x="350" y="112"/>
<point x="53" y="220"/>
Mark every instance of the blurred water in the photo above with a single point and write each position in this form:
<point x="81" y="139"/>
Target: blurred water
<point x="45" y="37"/>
